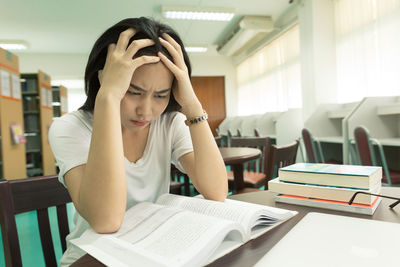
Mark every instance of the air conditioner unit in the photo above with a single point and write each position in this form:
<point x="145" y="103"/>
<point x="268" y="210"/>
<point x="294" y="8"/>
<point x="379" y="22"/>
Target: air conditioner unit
<point x="246" y="33"/>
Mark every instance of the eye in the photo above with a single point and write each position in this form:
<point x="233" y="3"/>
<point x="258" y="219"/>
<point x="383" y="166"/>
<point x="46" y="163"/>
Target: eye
<point x="133" y="93"/>
<point x="160" y="96"/>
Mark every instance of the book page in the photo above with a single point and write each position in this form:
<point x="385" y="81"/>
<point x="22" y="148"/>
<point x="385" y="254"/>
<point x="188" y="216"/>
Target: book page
<point x="163" y="236"/>
<point x="247" y="214"/>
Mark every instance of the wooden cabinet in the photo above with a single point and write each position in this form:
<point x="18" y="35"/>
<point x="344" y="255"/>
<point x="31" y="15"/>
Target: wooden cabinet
<point x="12" y="156"/>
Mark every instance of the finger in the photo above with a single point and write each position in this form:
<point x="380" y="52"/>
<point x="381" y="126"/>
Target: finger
<point x="178" y="58"/>
<point x="172" y="41"/>
<point x="170" y="65"/>
<point x="110" y="49"/>
<point x="138" y="44"/>
<point x="124" y="38"/>
<point x="137" y="62"/>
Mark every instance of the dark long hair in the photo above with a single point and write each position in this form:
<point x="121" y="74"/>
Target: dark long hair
<point x="146" y="28"/>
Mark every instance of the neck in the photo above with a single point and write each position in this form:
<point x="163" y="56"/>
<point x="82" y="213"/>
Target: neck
<point x="126" y="132"/>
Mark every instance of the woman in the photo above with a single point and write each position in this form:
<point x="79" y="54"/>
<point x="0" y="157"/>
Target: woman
<point x="117" y="149"/>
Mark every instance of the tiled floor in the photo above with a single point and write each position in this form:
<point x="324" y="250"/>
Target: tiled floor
<point x="29" y="239"/>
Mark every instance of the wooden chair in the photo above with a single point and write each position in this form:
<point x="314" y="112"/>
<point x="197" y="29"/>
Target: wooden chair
<point x="367" y="157"/>
<point x="278" y="157"/>
<point x="230" y="135"/>
<point x="23" y="195"/>
<point x="255" y="176"/>
<point x="176" y="185"/>
<point x="312" y="146"/>
<point x="314" y="150"/>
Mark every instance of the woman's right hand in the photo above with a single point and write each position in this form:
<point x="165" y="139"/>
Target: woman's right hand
<point x="119" y="67"/>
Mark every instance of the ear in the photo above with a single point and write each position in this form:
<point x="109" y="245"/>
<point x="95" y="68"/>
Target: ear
<point x="100" y="75"/>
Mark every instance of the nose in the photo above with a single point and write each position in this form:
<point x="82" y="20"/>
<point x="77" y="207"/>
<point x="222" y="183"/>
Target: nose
<point x="143" y="109"/>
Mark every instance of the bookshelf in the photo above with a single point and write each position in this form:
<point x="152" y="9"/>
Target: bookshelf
<point x="12" y="156"/>
<point x="381" y="116"/>
<point x="60" y="101"/>
<point x="326" y="124"/>
<point x="38" y="115"/>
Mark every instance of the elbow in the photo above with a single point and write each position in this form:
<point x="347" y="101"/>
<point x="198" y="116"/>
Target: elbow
<point x="220" y="198"/>
<point x="106" y="222"/>
<point x="107" y="226"/>
<point x="221" y="193"/>
<point x="224" y="187"/>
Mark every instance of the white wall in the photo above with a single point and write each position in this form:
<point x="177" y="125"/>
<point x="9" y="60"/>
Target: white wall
<point x="218" y="66"/>
<point x="58" y="66"/>
<point x="317" y="54"/>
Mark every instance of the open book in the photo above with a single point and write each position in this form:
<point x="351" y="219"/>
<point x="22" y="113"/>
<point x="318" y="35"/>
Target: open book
<point x="181" y="231"/>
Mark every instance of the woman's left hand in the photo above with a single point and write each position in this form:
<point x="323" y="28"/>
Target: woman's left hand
<point x="183" y="90"/>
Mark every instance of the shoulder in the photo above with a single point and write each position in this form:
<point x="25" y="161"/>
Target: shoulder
<point x="73" y="123"/>
<point x="171" y="119"/>
<point x="169" y="124"/>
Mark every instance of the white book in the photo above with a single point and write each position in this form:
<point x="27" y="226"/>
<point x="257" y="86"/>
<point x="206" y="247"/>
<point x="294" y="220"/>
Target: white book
<point x="343" y="194"/>
<point x="181" y="231"/>
<point x="329" y="204"/>
<point x="333" y="240"/>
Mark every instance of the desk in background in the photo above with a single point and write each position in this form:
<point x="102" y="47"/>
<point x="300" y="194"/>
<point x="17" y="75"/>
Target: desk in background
<point x="235" y="157"/>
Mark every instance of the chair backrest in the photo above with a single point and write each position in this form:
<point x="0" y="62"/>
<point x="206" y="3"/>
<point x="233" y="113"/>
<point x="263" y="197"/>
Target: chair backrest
<point x="311" y="147"/>
<point x="35" y="193"/>
<point x="366" y="153"/>
<point x="256" y="133"/>
<point x="229" y="133"/>
<point x="280" y="156"/>
<point x="364" y="148"/>
<point x="238" y="133"/>
<point x="262" y="143"/>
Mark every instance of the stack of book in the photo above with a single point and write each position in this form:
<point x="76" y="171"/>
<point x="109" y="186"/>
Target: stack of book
<point x="329" y="186"/>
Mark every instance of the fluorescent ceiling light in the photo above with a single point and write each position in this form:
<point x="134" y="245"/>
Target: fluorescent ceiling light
<point x="13" y="45"/>
<point x="196" y="49"/>
<point x="197" y="13"/>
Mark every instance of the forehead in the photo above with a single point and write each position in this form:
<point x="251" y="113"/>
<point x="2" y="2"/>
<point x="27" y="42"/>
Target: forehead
<point x="155" y="74"/>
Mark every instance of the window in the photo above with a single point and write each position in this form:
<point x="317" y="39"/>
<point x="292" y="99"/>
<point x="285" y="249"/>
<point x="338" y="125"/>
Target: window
<point x="269" y="80"/>
<point x="367" y="48"/>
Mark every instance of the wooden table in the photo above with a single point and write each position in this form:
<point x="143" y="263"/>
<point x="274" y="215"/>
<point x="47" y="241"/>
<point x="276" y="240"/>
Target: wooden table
<point x="252" y="251"/>
<point x="235" y="157"/>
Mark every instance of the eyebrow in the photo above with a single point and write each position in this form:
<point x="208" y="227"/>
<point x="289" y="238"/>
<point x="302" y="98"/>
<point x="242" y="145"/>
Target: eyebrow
<point x="142" y="90"/>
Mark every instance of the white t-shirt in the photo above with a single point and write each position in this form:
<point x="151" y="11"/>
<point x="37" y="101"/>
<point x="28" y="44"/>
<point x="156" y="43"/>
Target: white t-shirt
<point x="147" y="178"/>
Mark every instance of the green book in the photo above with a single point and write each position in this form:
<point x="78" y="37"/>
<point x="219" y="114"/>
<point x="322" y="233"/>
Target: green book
<point x="351" y="176"/>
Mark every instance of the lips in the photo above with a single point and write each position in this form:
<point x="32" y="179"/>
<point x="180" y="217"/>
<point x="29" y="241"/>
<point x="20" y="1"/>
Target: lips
<point x="139" y="123"/>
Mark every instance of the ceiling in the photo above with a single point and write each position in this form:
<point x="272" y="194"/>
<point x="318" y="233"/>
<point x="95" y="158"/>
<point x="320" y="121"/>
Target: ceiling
<point x="72" y="26"/>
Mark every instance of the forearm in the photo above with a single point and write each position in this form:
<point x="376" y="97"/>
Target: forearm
<point x="210" y="177"/>
<point x="102" y="196"/>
